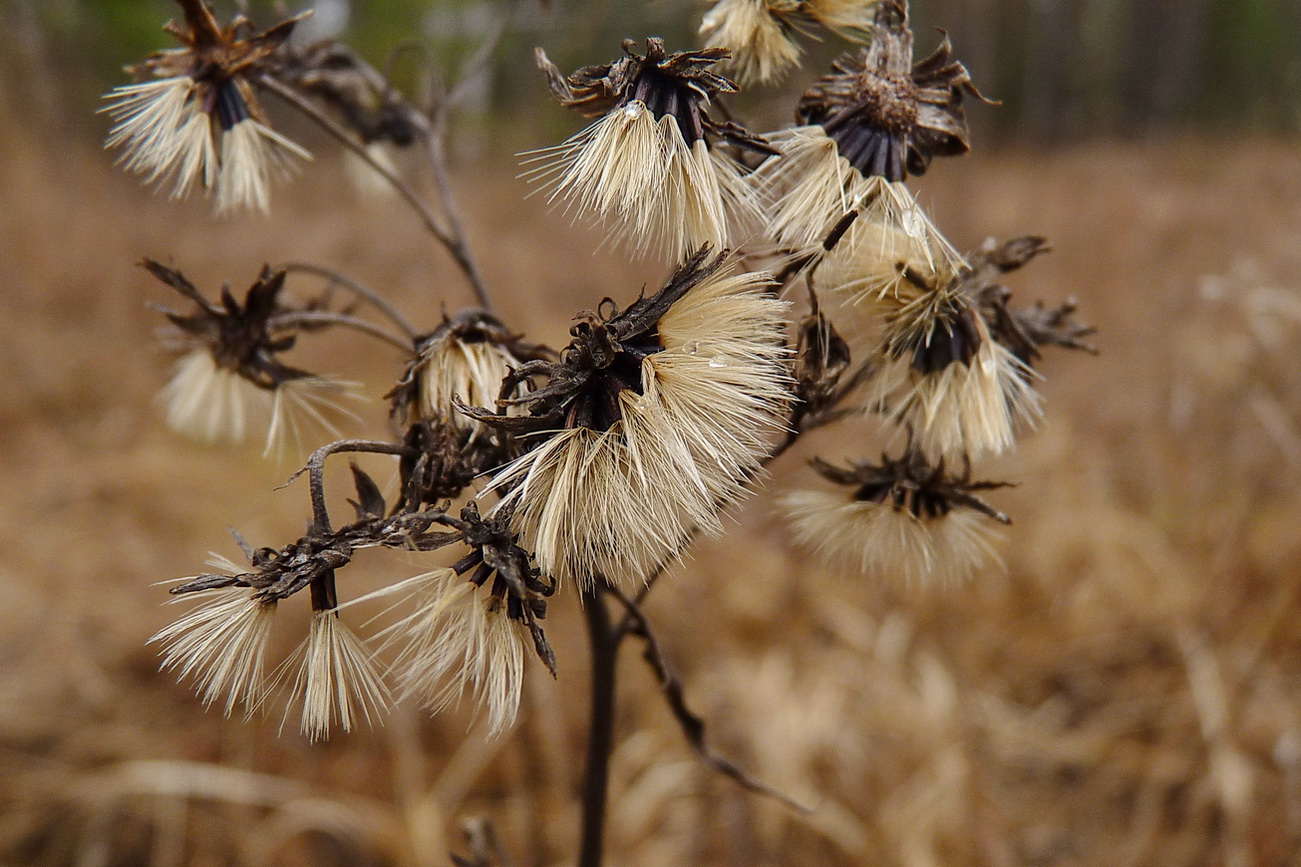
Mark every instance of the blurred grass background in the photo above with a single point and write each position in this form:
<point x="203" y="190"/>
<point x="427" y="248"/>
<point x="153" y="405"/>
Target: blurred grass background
<point x="1127" y="692"/>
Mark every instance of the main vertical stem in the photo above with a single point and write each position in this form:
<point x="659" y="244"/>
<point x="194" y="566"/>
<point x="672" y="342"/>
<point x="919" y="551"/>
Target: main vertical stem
<point x="604" y="642"/>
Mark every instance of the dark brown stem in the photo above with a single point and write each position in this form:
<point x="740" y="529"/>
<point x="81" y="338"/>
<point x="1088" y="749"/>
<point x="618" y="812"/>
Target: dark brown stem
<point x="603" y="639"/>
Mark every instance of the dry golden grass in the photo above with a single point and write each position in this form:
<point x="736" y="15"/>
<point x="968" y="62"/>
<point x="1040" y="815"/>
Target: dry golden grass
<point x="1127" y="693"/>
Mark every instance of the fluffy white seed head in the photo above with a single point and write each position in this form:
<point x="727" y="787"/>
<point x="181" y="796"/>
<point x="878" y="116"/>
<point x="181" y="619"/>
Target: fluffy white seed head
<point x="809" y="187"/>
<point x="470" y="371"/>
<point x="458" y="639"/>
<point x="221" y="645"/>
<point x="760" y="40"/>
<point x="615" y="503"/>
<point x="878" y="540"/>
<point x="166" y="136"/>
<point x="640" y="178"/>
<point x="338" y="679"/>
<point x="964" y="409"/>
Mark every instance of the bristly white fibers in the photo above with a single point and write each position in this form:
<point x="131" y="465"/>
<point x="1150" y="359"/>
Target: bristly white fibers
<point x="615" y="503"/>
<point x="876" y="539"/>
<point x="215" y="405"/>
<point x="657" y="194"/>
<point x="337" y="678"/>
<point x="167" y="136"/>
<point x="761" y="44"/>
<point x="458" y="639"/>
<point x="222" y="643"/>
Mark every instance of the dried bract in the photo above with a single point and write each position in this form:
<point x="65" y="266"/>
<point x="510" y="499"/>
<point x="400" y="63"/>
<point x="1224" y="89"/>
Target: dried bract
<point x="646" y="166"/>
<point x="1023" y="330"/>
<point x="903" y="518"/>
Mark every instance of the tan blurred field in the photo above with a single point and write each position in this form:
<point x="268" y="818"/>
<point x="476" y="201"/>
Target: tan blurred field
<point x="1128" y="692"/>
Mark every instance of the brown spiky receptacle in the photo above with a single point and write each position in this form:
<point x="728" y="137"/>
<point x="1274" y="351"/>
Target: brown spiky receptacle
<point x="230" y="378"/>
<point x="866" y="126"/>
<point x="646" y="167"/>
<point x="761" y="33"/>
<point x="195" y="121"/>
<point x="905" y="518"/>
<point x="653" y="419"/>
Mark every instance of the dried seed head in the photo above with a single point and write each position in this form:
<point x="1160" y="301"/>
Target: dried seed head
<point x="905" y="518"/>
<point x="759" y="35"/>
<point x="888" y="117"/>
<point x="197" y="121"/>
<point x="231" y="380"/>
<point x="646" y="166"/>
<point x="470" y="625"/>
<point x="812" y="189"/>
<point x="464" y="360"/>
<point x="665" y="411"/>
<point x="939" y="373"/>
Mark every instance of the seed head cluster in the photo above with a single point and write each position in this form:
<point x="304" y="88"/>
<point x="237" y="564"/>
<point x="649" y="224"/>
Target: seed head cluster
<point x="537" y="474"/>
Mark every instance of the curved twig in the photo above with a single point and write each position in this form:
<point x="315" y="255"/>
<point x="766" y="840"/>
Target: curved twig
<point x="451" y="239"/>
<point x="315" y="470"/>
<point x="330" y="317"/>
<point x="692" y="724"/>
<point x="361" y="290"/>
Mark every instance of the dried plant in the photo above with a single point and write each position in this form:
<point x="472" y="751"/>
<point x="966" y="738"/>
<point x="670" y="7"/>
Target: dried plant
<point x="594" y="466"/>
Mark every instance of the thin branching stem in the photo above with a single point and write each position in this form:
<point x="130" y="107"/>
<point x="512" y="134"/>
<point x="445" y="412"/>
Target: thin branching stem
<point x="330" y="317"/>
<point x="692" y="724"/>
<point x="451" y="239"/>
<point x="361" y="290"/>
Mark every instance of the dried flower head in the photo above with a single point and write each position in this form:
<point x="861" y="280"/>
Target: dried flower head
<point x="887" y="116"/>
<point x="646" y="165"/>
<point x="905" y="518"/>
<point x="760" y="33"/>
<point x="472" y="624"/>
<point x="221" y="644"/>
<point x="196" y="120"/>
<point x="231" y="378"/>
<point x="939" y="372"/>
<point x="652" y="419"/>
<point x="465" y="359"/>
